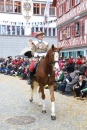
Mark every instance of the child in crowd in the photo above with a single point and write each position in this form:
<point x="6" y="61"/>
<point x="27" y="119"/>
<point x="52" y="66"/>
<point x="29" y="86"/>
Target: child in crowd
<point x="80" y="86"/>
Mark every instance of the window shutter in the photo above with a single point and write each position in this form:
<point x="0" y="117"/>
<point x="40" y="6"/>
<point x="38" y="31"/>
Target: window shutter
<point x="73" y="30"/>
<point x="57" y="11"/>
<point x="58" y="35"/>
<point x="72" y="3"/>
<point x="64" y="7"/>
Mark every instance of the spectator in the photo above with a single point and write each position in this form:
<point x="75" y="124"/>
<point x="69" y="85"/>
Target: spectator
<point x="80" y="85"/>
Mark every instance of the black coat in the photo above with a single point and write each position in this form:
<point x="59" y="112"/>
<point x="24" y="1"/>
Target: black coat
<point x="82" y="86"/>
<point x="70" y="68"/>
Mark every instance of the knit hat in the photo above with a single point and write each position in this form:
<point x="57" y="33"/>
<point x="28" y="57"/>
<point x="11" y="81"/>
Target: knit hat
<point x="79" y="62"/>
<point x="70" y="61"/>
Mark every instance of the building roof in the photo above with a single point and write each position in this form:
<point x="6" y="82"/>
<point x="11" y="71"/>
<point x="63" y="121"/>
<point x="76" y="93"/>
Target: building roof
<point x="54" y="3"/>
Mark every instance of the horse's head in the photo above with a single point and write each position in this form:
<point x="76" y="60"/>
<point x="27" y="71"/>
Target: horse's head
<point x="54" y="54"/>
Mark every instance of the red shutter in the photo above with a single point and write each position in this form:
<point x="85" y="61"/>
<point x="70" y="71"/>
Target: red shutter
<point x="72" y="3"/>
<point x="57" y="12"/>
<point x="63" y="35"/>
<point x="64" y="7"/>
<point x="73" y="30"/>
<point x="80" y="27"/>
<point x="58" y="32"/>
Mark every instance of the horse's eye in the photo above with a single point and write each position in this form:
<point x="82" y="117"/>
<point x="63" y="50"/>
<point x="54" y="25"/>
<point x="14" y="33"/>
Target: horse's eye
<point x="52" y="54"/>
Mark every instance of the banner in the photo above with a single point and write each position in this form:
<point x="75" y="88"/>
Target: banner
<point x="46" y="12"/>
<point x="27" y="23"/>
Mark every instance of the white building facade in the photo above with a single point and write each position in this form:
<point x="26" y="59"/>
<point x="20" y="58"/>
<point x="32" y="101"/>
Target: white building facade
<point x="15" y="30"/>
<point x="12" y="21"/>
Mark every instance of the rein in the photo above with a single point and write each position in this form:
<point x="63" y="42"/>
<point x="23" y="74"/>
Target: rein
<point x="50" y="64"/>
<point x="46" y="73"/>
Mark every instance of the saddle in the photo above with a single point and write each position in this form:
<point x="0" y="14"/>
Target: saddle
<point x="33" y="66"/>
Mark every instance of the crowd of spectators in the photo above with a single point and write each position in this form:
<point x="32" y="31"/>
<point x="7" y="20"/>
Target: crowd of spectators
<point x="72" y="75"/>
<point x="15" y="67"/>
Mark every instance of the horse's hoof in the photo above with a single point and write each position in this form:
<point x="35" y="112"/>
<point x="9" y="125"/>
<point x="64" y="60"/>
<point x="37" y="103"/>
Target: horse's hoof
<point x="40" y="105"/>
<point x="43" y="111"/>
<point x="53" y="117"/>
<point x="31" y="100"/>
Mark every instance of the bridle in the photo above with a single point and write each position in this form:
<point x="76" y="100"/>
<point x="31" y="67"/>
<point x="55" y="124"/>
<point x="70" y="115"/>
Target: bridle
<point x="51" y="64"/>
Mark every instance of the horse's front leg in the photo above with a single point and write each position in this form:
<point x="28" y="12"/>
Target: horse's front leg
<point x="40" y="97"/>
<point x="53" y="117"/>
<point x="31" y="93"/>
<point x="43" y="99"/>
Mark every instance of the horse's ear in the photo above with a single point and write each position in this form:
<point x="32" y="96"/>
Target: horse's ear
<point x="60" y="48"/>
<point x="52" y="47"/>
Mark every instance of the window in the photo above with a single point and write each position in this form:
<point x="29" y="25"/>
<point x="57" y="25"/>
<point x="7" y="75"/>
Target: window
<point x="3" y="31"/>
<point x="68" y="32"/>
<point x="18" y="30"/>
<point x="67" y="5"/>
<point x="32" y="29"/>
<point x="49" y="31"/>
<point x="9" y="30"/>
<point x="42" y="8"/>
<point x="77" y="2"/>
<point x="1" y="5"/>
<point x="9" y="6"/>
<point x="61" y="35"/>
<point x="60" y="10"/>
<point x="86" y="52"/>
<point x="36" y="29"/>
<point x="13" y="30"/>
<point x="53" y="31"/>
<point x="17" y="7"/>
<point x="52" y="10"/>
<point x="36" y="8"/>
<point x="0" y="29"/>
<point x="45" y="31"/>
<point x="41" y="29"/>
<point x="77" y="29"/>
<point x="22" y="30"/>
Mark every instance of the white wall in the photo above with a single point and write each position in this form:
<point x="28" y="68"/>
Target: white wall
<point x="20" y="18"/>
<point x="85" y="26"/>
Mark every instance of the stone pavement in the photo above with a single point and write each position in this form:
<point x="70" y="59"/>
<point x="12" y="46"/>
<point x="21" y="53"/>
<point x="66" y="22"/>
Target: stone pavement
<point x="17" y="113"/>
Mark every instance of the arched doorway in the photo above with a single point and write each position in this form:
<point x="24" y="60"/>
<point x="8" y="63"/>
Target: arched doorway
<point x="26" y="51"/>
<point x="28" y="54"/>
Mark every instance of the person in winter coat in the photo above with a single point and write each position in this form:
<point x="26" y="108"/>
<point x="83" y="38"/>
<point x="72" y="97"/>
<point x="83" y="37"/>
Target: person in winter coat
<point x="66" y="80"/>
<point x="70" y="66"/>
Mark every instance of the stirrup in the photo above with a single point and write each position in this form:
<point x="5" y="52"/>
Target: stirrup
<point x="29" y="81"/>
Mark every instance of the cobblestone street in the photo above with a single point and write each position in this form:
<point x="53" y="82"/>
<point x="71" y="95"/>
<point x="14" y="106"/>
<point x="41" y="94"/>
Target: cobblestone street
<point x="71" y="114"/>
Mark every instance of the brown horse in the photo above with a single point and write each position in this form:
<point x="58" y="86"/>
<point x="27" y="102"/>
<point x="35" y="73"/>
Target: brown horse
<point x="45" y="74"/>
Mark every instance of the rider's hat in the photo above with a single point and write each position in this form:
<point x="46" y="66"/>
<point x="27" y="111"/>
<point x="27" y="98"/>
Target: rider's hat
<point x="39" y="33"/>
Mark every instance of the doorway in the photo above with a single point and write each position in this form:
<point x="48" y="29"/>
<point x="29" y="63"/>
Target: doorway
<point x="28" y="54"/>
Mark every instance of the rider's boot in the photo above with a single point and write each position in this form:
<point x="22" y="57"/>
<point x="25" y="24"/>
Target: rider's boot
<point x="30" y="78"/>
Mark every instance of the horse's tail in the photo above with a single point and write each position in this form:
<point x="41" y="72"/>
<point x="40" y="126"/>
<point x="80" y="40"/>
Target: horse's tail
<point x="35" y="86"/>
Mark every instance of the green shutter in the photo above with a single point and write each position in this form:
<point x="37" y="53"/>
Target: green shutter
<point x="74" y="54"/>
<point x="65" y="54"/>
<point x="82" y="53"/>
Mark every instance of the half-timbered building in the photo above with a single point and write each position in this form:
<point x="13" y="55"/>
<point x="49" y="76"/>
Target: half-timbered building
<point x="72" y="26"/>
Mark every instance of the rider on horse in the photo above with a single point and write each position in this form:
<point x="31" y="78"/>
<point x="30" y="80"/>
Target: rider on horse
<point x="39" y="48"/>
